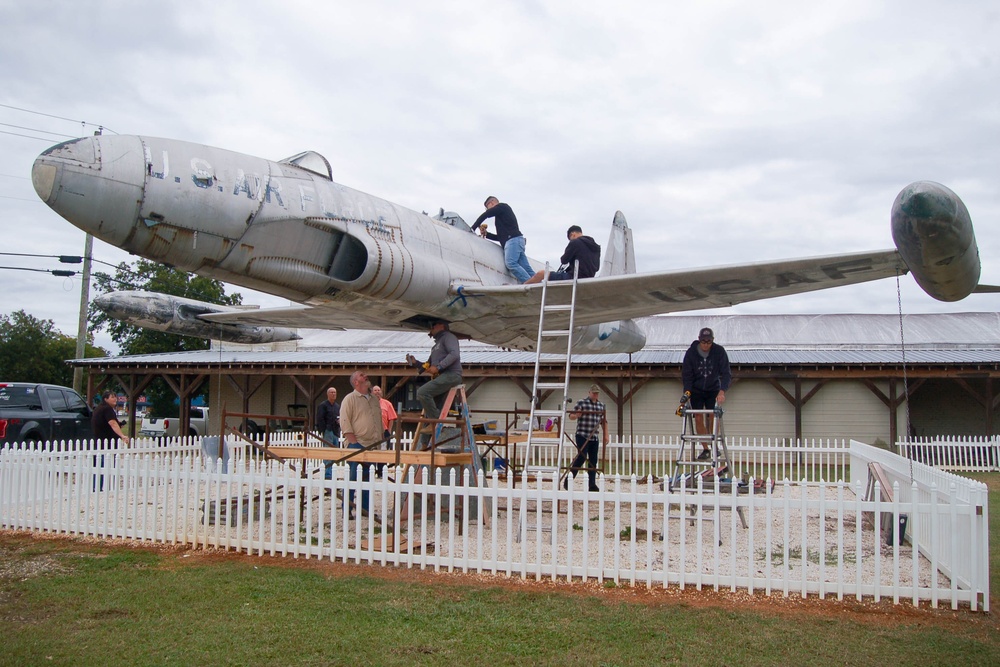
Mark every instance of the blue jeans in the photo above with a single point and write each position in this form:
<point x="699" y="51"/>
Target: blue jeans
<point x="429" y="391"/>
<point x="329" y="436"/>
<point x="587" y="449"/>
<point x="354" y="476"/>
<point x="515" y="259"/>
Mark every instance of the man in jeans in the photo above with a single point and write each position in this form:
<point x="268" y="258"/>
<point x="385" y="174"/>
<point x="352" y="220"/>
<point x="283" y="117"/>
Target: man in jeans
<point x="591" y="416"/>
<point x="509" y="235"/>
<point x="328" y="424"/>
<point x="361" y="426"/>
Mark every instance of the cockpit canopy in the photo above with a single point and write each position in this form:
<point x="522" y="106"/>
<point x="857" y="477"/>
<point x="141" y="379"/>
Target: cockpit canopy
<point x="453" y="219"/>
<point x="313" y="162"/>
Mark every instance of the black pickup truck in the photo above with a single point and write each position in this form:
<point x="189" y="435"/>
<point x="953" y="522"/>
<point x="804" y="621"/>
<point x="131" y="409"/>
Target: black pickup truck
<point x="37" y="413"/>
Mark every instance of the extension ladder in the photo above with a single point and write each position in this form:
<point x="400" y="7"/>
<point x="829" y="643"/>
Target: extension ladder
<point x="563" y="313"/>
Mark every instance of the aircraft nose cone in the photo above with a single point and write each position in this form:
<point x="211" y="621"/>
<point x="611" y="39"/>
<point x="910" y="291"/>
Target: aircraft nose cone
<point x="43" y="178"/>
<point x="102" y="302"/>
<point x="94" y="182"/>
<point x="45" y="172"/>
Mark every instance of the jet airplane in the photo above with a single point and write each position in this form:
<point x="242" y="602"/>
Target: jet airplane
<point x="351" y="260"/>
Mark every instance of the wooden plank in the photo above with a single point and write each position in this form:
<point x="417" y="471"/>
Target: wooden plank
<point x="372" y="456"/>
<point x="404" y="546"/>
<point x="875" y="470"/>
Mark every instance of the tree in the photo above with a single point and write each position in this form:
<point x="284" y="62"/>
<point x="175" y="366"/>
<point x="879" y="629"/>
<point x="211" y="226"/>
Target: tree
<point x="33" y="350"/>
<point x="154" y="277"/>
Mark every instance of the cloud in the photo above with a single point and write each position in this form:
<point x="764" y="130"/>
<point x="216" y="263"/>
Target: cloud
<point x="724" y="131"/>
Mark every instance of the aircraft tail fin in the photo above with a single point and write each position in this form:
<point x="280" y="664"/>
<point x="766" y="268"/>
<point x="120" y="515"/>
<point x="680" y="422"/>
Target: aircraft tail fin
<point x="619" y="254"/>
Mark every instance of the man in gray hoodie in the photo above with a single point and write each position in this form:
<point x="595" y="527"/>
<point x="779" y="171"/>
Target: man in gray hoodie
<point x="444" y="366"/>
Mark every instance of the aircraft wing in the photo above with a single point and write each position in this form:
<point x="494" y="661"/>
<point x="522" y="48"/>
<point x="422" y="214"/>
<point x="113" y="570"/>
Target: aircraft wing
<point x="643" y="294"/>
<point x="494" y="313"/>
<point x="299" y="316"/>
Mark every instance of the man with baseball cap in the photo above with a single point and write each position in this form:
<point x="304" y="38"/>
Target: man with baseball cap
<point x="706" y="378"/>
<point x="444" y="366"/>
<point x="591" y="415"/>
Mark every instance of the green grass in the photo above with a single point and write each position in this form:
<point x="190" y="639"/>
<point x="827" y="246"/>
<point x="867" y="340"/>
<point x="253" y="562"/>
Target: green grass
<point x="92" y="604"/>
<point x="66" y="601"/>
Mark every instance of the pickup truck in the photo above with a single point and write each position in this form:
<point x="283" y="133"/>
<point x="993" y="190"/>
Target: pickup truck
<point x="36" y="413"/>
<point x="167" y="427"/>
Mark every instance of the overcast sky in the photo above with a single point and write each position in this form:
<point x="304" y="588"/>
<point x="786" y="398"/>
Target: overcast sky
<point x="724" y="131"/>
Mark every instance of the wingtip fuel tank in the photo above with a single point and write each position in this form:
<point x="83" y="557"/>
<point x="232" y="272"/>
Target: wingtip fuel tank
<point x="932" y="230"/>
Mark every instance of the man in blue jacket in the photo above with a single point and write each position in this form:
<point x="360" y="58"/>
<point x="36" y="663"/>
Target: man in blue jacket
<point x="706" y="378"/>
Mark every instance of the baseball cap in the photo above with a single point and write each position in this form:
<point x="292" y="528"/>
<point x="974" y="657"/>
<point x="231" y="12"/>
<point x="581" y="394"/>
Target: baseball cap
<point x="595" y="389"/>
<point x="706" y="334"/>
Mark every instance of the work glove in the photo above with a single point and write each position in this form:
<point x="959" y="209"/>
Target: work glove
<point x="685" y="397"/>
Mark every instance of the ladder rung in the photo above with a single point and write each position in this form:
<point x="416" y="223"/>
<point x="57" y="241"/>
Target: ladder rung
<point x="550" y="385"/>
<point x="548" y="413"/>
<point x="538" y="469"/>
<point x="555" y="332"/>
<point x="544" y="441"/>
<point x="559" y="308"/>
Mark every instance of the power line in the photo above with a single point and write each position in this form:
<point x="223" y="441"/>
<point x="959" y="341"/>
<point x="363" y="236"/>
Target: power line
<point x="26" y="136"/>
<point x="48" y="115"/>
<point x="56" y="272"/>
<point x="39" y="201"/>
<point x="32" y="129"/>
<point x="64" y="259"/>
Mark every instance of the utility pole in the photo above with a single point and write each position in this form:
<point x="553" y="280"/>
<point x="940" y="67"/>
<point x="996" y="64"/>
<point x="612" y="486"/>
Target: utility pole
<point x="81" y="329"/>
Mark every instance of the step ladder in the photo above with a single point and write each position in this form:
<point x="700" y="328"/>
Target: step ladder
<point x="563" y="316"/>
<point x="563" y="313"/>
<point x="690" y="467"/>
<point x="464" y="441"/>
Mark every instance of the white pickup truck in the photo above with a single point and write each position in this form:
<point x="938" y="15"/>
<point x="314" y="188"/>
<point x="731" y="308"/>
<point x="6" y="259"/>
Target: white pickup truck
<point x="168" y="426"/>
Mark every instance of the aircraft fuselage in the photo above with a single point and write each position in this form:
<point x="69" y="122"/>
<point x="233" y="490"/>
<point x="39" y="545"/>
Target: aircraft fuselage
<point x="284" y="228"/>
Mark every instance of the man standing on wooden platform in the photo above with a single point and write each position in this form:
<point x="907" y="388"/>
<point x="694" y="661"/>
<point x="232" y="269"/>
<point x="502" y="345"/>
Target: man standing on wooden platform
<point x="361" y="426"/>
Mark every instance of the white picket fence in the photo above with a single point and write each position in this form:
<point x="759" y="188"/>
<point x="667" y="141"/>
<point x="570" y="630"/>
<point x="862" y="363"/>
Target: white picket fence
<point x="806" y="535"/>
<point x="965" y="453"/>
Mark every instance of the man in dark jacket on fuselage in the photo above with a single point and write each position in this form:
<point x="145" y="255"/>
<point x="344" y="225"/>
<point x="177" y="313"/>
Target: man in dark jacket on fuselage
<point x="580" y="248"/>
<point x="706" y="376"/>
<point x="508" y="235"/>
